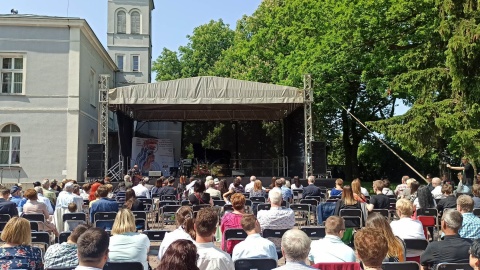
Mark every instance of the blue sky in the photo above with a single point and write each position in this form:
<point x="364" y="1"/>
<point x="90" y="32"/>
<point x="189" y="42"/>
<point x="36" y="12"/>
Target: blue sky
<point x="172" y="21"/>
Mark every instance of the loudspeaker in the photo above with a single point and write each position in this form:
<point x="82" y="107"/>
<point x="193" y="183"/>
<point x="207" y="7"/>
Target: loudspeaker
<point x="319" y="158"/>
<point x="95" y="160"/>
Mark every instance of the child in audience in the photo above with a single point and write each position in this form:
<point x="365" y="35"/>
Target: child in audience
<point x="71" y="225"/>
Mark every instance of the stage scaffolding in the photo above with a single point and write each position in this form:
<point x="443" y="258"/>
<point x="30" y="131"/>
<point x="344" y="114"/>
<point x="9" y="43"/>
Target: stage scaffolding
<point x="207" y="99"/>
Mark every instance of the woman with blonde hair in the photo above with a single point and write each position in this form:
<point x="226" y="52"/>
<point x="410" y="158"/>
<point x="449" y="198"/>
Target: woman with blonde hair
<point x="126" y="245"/>
<point x="257" y="190"/>
<point x="396" y="246"/>
<point x="357" y="191"/>
<point x="184" y="220"/>
<point x="17" y="252"/>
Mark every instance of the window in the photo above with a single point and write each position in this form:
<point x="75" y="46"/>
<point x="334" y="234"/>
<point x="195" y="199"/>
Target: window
<point x="12" y="75"/>
<point x="121" y="22"/>
<point x="10" y="145"/>
<point x="135" y="22"/>
<point x="135" y="63"/>
<point x="120" y="59"/>
<point x="93" y="93"/>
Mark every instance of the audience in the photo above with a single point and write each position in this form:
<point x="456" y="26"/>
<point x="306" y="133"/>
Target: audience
<point x="33" y="206"/>
<point x="249" y="186"/>
<point x="222" y="186"/>
<point x="400" y="188"/>
<point x="17" y="252"/>
<point x="311" y="189"/>
<point x="180" y="255"/>
<point x="396" y="246"/>
<point x="85" y="191"/>
<point x="357" y="191"/>
<point x="96" y="185"/>
<point x="126" y="245"/>
<point x="453" y="248"/>
<point x="424" y="199"/>
<point x="258" y="190"/>
<point x="237" y="185"/>
<point x="158" y="186"/>
<point x="277" y="217"/>
<point x="386" y="188"/>
<point x="141" y="190"/>
<point x="476" y="195"/>
<point x="64" y="199"/>
<point x="168" y="189"/>
<point x="474" y="252"/>
<point x="65" y="254"/>
<point x="406" y="227"/>
<point x="92" y="249"/>
<point x="295" y="249"/>
<point x="331" y="248"/>
<point x="7" y="207"/>
<point x="254" y="246"/>
<point x="348" y="202"/>
<point x="371" y="247"/>
<point x="337" y="190"/>
<point x="16" y="197"/>
<point x="185" y="230"/>
<point x="449" y="200"/>
<point x="44" y="199"/>
<point x="437" y="188"/>
<point x="232" y="220"/>
<point x="199" y="196"/>
<point x="131" y="201"/>
<point x="471" y="223"/>
<point x="410" y="193"/>
<point x="296" y="183"/>
<point x="103" y="205"/>
<point x="209" y="256"/>
<point x="148" y="185"/>
<point x="380" y="200"/>
<point x="214" y="193"/>
<point x="287" y="194"/>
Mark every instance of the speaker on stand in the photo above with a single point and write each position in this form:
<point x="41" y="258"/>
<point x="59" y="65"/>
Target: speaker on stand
<point x="319" y="158"/>
<point x="95" y="161"/>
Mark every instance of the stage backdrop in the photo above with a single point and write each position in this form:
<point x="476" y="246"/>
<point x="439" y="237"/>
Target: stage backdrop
<point x="152" y="155"/>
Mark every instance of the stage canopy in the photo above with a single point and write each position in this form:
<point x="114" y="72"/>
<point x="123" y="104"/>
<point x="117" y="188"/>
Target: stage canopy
<point x="206" y="99"/>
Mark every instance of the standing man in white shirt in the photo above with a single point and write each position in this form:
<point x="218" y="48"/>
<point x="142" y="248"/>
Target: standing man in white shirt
<point x="141" y="190"/>
<point x="254" y="246"/>
<point x="209" y="256"/>
<point x="250" y="185"/>
<point x="331" y="248"/>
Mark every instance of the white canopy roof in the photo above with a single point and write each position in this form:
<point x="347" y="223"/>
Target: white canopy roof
<point x="206" y="99"/>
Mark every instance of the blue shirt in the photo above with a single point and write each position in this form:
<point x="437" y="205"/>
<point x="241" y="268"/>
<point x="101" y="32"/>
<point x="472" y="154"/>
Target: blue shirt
<point x="470" y="226"/>
<point x="103" y="205"/>
<point x="286" y="194"/>
<point x="336" y="192"/>
<point x="255" y="246"/>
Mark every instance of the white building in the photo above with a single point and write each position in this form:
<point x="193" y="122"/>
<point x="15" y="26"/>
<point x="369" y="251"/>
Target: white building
<point x="49" y="96"/>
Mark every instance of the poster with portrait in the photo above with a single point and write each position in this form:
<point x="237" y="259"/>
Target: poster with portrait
<point x="152" y="155"/>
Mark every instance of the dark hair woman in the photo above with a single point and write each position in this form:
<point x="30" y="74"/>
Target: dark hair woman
<point x="272" y="185"/>
<point x="180" y="255"/>
<point x="222" y="186"/>
<point x="199" y="195"/>
<point x="296" y="183"/>
<point x="131" y="201"/>
<point x="424" y="199"/>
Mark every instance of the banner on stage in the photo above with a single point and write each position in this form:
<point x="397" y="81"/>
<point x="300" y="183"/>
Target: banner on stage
<point x="152" y="155"/>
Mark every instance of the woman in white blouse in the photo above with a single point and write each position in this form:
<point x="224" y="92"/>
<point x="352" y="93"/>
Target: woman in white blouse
<point x="126" y="245"/>
<point x="184" y="220"/>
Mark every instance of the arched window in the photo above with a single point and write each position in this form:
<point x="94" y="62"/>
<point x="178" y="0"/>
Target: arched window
<point x="121" y="22"/>
<point x="10" y="145"/>
<point x="135" y="22"/>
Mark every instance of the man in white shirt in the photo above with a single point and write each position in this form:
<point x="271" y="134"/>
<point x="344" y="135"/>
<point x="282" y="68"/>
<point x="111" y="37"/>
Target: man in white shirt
<point x="44" y="200"/>
<point x="406" y="227"/>
<point x="277" y="217"/>
<point x="92" y="249"/>
<point x="141" y="190"/>
<point x="254" y="246"/>
<point x="437" y="188"/>
<point x="250" y="185"/>
<point x="331" y="248"/>
<point x="211" y="190"/>
<point x="209" y="256"/>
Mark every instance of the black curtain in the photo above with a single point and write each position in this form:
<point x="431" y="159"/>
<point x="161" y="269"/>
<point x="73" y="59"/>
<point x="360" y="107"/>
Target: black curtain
<point x="294" y="131"/>
<point x="125" y="136"/>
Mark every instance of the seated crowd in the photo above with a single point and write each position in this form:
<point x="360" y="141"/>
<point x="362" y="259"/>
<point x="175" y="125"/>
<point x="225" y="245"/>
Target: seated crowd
<point x="370" y="240"/>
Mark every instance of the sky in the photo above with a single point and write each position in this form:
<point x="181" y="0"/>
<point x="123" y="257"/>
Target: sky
<point x="172" y="21"/>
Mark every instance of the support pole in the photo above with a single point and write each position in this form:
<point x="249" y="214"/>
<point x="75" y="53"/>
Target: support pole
<point x="307" y="110"/>
<point x="103" y="111"/>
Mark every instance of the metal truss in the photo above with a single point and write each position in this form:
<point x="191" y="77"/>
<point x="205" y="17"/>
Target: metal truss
<point x="103" y="116"/>
<point x="307" y="109"/>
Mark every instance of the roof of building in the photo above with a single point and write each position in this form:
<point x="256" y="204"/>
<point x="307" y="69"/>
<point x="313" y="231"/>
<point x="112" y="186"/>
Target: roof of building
<point x="37" y="16"/>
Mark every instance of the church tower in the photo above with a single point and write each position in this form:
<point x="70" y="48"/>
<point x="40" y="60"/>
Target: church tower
<point x="129" y="40"/>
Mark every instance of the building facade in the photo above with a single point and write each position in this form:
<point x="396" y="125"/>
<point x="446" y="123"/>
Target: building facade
<point x="49" y="96"/>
